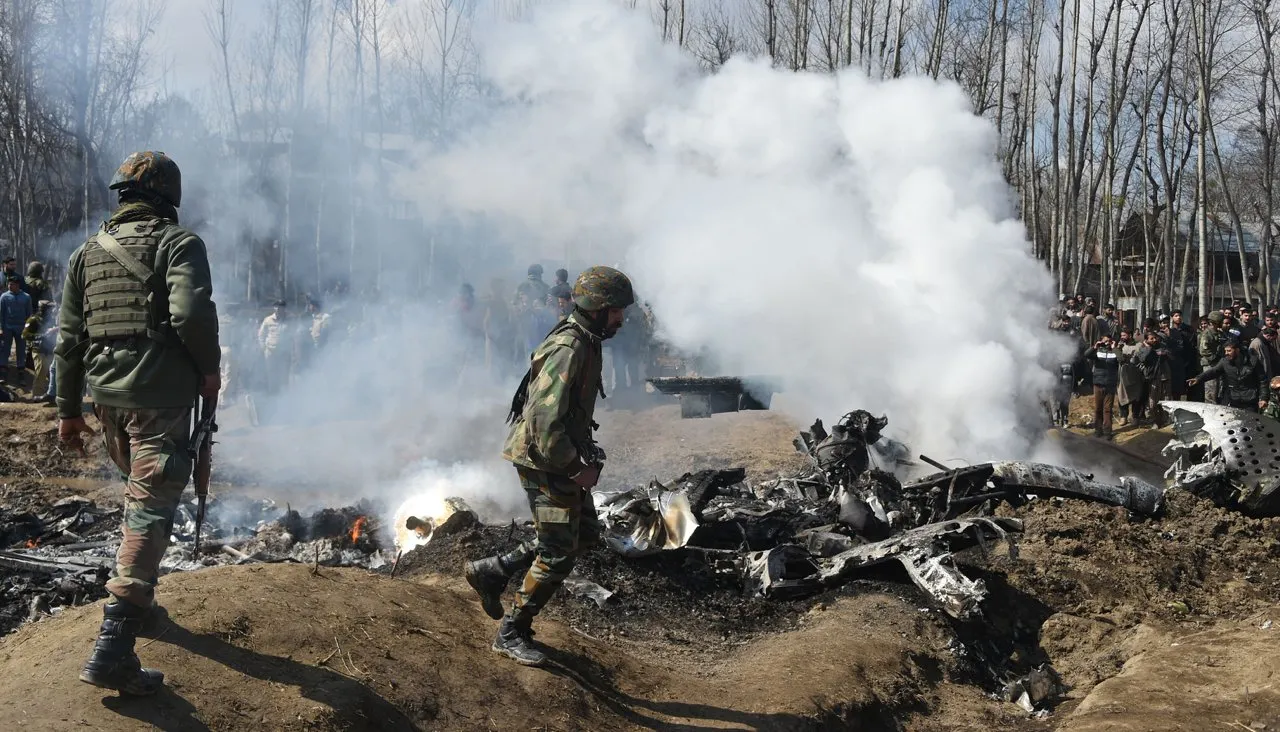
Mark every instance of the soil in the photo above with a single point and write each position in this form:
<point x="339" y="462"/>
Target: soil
<point x="1161" y="623"/>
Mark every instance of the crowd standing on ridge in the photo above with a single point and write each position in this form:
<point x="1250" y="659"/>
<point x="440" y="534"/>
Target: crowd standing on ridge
<point x="1231" y="357"/>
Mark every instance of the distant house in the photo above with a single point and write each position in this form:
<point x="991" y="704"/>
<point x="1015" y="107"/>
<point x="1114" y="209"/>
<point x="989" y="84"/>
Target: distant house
<point x="1226" y="281"/>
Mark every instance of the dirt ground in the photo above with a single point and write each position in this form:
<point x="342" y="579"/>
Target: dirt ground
<point x="1153" y="624"/>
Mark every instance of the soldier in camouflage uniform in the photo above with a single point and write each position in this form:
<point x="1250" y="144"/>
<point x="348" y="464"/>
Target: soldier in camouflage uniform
<point x="138" y="325"/>
<point x="1210" y="347"/>
<point x="556" y="458"/>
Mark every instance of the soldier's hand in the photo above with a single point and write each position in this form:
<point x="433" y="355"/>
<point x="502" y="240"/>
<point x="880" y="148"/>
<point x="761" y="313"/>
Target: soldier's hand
<point x="210" y="386"/>
<point x="1262" y="404"/>
<point x="588" y="476"/>
<point x="71" y="433"/>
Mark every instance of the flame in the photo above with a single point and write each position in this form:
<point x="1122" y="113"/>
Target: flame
<point x="33" y="543"/>
<point x="424" y="512"/>
<point x="357" y="529"/>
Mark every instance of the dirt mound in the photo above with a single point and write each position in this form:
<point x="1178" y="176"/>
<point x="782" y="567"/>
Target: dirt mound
<point x="1223" y="678"/>
<point x="278" y="647"/>
<point x="656" y="443"/>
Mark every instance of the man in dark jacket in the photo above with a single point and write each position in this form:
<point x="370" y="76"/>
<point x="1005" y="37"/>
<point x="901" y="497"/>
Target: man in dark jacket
<point x="1263" y="350"/>
<point x="1244" y="383"/>
<point x="1152" y="359"/>
<point x="1248" y="325"/>
<point x="1106" y="376"/>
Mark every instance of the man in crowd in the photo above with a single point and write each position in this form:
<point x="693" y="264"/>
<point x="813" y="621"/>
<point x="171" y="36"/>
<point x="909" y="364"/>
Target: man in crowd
<point x="277" y="337"/>
<point x="15" y="308"/>
<point x="1152" y="359"/>
<point x="1107" y="322"/>
<point x="1249" y="328"/>
<point x="1106" y="375"/>
<point x="1090" y="329"/>
<point x="1243" y="383"/>
<point x="1182" y="343"/>
<point x="1263" y="351"/>
<point x="1131" y="387"/>
<point x="138" y="325"/>
<point x="561" y="295"/>
<point x="320" y="321"/>
<point x="9" y="270"/>
<point x="554" y="453"/>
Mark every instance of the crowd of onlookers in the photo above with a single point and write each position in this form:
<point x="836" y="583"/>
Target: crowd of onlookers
<point x="506" y="327"/>
<point x="1228" y="357"/>
<point x="28" y="328"/>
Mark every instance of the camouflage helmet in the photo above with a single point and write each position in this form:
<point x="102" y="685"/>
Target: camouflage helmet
<point x="153" y="172"/>
<point x="599" y="288"/>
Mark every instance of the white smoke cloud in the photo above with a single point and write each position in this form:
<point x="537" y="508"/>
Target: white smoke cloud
<point x="854" y="238"/>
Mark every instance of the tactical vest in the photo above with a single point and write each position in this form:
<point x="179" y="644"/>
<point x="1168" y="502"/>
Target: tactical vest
<point x="117" y="303"/>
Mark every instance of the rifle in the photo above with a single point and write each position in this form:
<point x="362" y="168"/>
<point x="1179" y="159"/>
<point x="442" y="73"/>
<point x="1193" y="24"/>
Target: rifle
<point x="201" y="452"/>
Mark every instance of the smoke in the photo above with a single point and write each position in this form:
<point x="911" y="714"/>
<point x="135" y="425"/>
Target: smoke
<point x="853" y="239"/>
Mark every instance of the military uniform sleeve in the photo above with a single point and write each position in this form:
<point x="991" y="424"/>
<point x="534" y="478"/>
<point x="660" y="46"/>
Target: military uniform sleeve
<point x="69" y="352"/>
<point x="547" y="407"/>
<point x="192" y="313"/>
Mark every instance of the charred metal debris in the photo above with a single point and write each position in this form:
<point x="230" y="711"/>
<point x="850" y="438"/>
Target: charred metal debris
<point x="61" y="556"/>
<point x="847" y="513"/>
<point x="1229" y="456"/>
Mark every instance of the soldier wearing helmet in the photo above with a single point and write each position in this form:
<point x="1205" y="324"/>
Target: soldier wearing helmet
<point x="534" y="316"/>
<point x="556" y="458"/>
<point x="138" y="326"/>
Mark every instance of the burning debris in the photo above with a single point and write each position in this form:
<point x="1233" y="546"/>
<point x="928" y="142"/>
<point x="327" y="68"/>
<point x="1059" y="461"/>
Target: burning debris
<point x="62" y="556"/>
<point x="1229" y="456"/>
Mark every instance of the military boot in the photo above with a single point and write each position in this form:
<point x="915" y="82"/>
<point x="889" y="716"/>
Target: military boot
<point x="488" y="578"/>
<point x="113" y="664"/>
<point x="515" y="641"/>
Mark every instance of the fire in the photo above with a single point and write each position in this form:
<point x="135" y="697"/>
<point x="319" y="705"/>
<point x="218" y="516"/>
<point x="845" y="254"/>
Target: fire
<point x="417" y="518"/>
<point x="33" y="543"/>
<point x="357" y="529"/>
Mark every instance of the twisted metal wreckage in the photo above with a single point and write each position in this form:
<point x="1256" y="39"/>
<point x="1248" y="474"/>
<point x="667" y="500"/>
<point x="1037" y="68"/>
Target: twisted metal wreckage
<point x="1229" y="456"/>
<point x="846" y="513"/>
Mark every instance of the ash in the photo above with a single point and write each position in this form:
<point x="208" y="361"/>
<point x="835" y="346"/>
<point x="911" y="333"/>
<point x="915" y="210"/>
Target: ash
<point x="61" y="556"/>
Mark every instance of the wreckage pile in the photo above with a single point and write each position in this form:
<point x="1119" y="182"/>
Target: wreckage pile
<point x="846" y="515"/>
<point x="1230" y="456"/>
<point x="61" y="557"/>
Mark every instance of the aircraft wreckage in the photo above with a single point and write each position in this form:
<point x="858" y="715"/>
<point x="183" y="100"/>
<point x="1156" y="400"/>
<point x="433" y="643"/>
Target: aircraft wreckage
<point x="1229" y="456"/>
<point x="846" y="513"/>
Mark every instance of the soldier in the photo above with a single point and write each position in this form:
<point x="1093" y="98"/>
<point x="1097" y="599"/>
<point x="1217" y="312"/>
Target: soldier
<point x="532" y="289"/>
<point x="139" y="326"/>
<point x="41" y="335"/>
<point x="36" y="286"/>
<point x="1210" y="353"/>
<point x="278" y="340"/>
<point x="557" y="460"/>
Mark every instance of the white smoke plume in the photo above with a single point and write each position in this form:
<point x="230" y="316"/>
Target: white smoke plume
<point x="853" y="238"/>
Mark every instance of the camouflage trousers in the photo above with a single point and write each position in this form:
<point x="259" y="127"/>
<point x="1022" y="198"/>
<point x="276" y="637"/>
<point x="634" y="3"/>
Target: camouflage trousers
<point x="564" y="517"/>
<point x="149" y="446"/>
